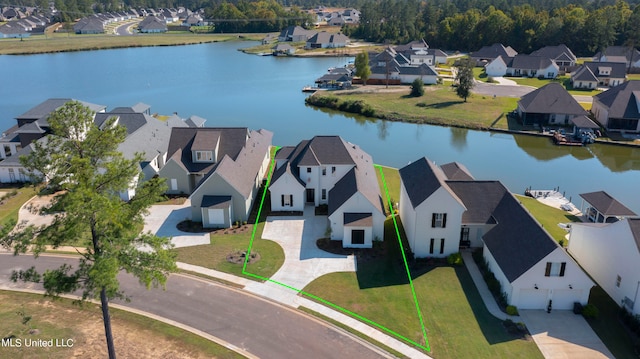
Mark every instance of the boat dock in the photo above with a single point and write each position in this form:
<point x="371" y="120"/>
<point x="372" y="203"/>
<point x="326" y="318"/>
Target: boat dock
<point x="555" y="199"/>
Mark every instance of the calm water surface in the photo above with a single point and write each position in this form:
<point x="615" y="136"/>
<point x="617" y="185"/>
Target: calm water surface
<point x="229" y="88"/>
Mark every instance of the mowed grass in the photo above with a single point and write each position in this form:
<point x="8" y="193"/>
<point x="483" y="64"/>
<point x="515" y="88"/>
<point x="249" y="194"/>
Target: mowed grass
<point x="608" y="326"/>
<point x="439" y="105"/>
<point x="392" y="179"/>
<point x="456" y="320"/>
<point x="134" y="335"/>
<point x="11" y="205"/>
<point x="548" y="216"/>
<point x="73" y="42"/>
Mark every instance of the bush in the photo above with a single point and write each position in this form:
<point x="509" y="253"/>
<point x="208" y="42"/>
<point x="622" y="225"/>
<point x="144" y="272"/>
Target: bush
<point x="590" y="311"/>
<point x="417" y="88"/>
<point x="454" y="259"/>
<point x="512" y="310"/>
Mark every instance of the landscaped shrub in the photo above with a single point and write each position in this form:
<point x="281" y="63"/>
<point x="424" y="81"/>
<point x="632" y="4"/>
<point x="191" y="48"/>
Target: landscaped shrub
<point x="512" y="310"/>
<point x="357" y="106"/>
<point x="417" y="88"/>
<point x="590" y="311"/>
<point x="454" y="259"/>
<point x="323" y="101"/>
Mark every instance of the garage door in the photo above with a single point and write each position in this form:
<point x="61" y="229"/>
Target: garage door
<point x="564" y="299"/>
<point x="533" y="299"/>
<point x="216" y="216"/>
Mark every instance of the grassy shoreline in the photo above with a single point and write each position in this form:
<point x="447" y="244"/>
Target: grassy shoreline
<point x="71" y="42"/>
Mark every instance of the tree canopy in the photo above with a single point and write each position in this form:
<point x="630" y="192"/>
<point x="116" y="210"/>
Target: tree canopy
<point x="464" y="78"/>
<point x="82" y="163"/>
<point x="361" y="64"/>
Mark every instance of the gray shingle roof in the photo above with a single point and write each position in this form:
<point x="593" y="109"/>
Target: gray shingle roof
<point x="322" y="150"/>
<point x="43" y="110"/>
<point x="634" y="225"/>
<point x="423" y="69"/>
<point x="493" y="51"/>
<point x="606" y="204"/>
<point x="421" y="178"/>
<point x="551" y="98"/>
<point x="584" y="122"/>
<point x="584" y="73"/>
<point x="232" y="139"/>
<point x="621" y="100"/>
<point x="616" y="69"/>
<point x="358" y="219"/>
<point x="456" y="171"/>
<point x="205" y="141"/>
<point x="529" y="62"/>
<point x="215" y="201"/>
<point x="559" y="52"/>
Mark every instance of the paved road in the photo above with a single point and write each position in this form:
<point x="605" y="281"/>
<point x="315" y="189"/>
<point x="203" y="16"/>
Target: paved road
<point x="124" y="29"/>
<point x="255" y="325"/>
<point x="484" y="88"/>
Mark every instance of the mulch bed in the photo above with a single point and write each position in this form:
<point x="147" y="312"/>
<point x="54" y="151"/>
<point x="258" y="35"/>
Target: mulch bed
<point x="196" y="227"/>
<point x="379" y="250"/>
<point x="240" y="256"/>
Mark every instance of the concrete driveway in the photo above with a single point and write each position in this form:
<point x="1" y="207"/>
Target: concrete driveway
<point x="562" y="334"/>
<point x="163" y="219"/>
<point x="304" y="261"/>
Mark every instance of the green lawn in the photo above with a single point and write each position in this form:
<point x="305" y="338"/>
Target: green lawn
<point x="480" y="75"/>
<point x="392" y="179"/>
<point x="11" y="205"/>
<point x="457" y="322"/>
<point x="536" y="82"/>
<point x="608" y="326"/>
<point x="134" y="335"/>
<point x="72" y="42"/>
<point x="548" y="216"/>
<point x="439" y="106"/>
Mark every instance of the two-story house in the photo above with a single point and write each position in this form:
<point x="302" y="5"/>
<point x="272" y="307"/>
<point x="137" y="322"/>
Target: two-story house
<point x="444" y="208"/>
<point x="327" y="170"/>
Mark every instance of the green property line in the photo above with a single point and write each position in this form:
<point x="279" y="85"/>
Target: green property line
<point x="326" y="302"/>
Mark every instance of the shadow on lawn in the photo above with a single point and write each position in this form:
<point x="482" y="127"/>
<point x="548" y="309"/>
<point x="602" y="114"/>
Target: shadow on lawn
<point x="492" y="328"/>
<point x="439" y="105"/>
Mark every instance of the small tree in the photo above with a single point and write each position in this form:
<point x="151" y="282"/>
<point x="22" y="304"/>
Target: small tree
<point x="417" y="87"/>
<point x="464" y="78"/>
<point x="362" y="66"/>
<point x="83" y="162"/>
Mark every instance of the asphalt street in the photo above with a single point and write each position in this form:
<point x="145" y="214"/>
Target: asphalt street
<point x="258" y="326"/>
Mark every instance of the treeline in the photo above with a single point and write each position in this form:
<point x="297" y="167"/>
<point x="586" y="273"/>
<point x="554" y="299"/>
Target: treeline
<point x="258" y="16"/>
<point x="585" y="28"/>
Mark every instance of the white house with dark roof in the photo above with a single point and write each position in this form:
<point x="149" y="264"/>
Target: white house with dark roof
<point x="393" y="67"/>
<point x="430" y="212"/>
<point x="458" y="211"/>
<point x="488" y="53"/>
<point x="324" y="40"/>
<point x="327" y="170"/>
<point x="591" y="75"/>
<point x="610" y="253"/>
<point x="626" y="55"/>
<point x="618" y="109"/>
<point x="221" y="168"/>
<point x="561" y="55"/>
<point x="549" y="105"/>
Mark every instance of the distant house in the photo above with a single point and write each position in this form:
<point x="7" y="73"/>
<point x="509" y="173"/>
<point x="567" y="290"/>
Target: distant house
<point x="626" y="55"/>
<point x="392" y="67"/>
<point x="488" y="53"/>
<point x="532" y="66"/>
<point x="13" y="30"/>
<point x="283" y="50"/>
<point x="561" y="55"/>
<point x="618" y="109"/>
<point x="295" y="34"/>
<point x="418" y="53"/>
<point x="444" y="208"/>
<point x="497" y="67"/>
<point x="152" y="24"/>
<point x="89" y="25"/>
<point x="549" y="105"/>
<point x="602" y="208"/>
<point x="327" y="170"/>
<point x="591" y="75"/>
<point x="324" y="40"/>
<point x="610" y="253"/>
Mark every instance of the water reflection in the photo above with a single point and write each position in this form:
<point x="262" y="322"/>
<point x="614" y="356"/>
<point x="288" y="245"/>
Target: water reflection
<point x="617" y="158"/>
<point x="459" y="138"/>
<point x="543" y="149"/>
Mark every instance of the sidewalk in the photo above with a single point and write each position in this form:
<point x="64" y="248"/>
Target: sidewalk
<point x="486" y="295"/>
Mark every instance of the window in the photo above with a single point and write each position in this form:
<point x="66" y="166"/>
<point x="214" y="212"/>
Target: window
<point x="204" y="156"/>
<point x="441" y="245"/>
<point x="324" y="193"/>
<point x="287" y="200"/>
<point x="464" y="234"/>
<point x="324" y="171"/>
<point x="439" y="220"/>
<point x="618" y="281"/>
<point x="333" y="169"/>
<point x="431" y="246"/>
<point x="174" y="184"/>
<point x="357" y="236"/>
<point x="555" y="269"/>
<point x="308" y="169"/>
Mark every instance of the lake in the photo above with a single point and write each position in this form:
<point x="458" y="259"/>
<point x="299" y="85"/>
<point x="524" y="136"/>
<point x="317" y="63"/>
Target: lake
<point x="230" y="88"/>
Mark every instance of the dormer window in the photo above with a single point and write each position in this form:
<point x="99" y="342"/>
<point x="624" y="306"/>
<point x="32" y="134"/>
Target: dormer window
<point x="203" y="156"/>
